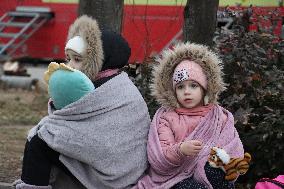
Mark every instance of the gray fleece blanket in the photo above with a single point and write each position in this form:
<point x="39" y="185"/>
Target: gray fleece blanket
<point x="102" y="137"/>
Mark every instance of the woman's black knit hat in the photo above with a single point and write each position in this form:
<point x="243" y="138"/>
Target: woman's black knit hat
<point x="116" y="50"/>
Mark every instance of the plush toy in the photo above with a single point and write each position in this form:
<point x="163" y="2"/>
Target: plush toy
<point x="233" y="167"/>
<point x="65" y="84"/>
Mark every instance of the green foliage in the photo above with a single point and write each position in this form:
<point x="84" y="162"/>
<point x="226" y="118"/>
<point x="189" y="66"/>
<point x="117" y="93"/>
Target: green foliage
<point x="253" y="64"/>
<point x="143" y="81"/>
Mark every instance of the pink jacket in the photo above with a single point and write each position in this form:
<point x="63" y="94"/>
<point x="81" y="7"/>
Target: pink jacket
<point x="175" y="125"/>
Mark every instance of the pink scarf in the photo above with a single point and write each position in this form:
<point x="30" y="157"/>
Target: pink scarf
<point x="106" y="73"/>
<point x="198" y="111"/>
<point x="162" y="174"/>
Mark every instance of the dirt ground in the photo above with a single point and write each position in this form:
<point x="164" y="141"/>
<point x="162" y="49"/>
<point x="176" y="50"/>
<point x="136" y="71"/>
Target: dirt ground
<point x="19" y="111"/>
<point x="12" y="142"/>
<point x="20" y="107"/>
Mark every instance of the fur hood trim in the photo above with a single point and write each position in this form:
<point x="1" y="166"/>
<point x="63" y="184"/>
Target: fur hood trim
<point x="161" y="87"/>
<point x="88" y="29"/>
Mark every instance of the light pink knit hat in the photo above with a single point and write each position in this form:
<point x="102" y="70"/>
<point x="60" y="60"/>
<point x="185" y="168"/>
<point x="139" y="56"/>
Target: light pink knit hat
<point x="189" y="70"/>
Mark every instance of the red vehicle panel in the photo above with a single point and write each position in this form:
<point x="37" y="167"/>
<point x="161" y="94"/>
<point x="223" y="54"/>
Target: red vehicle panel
<point x="148" y="28"/>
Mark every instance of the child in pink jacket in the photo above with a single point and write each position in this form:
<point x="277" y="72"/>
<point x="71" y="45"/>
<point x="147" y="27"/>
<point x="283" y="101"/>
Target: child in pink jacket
<point x="187" y="82"/>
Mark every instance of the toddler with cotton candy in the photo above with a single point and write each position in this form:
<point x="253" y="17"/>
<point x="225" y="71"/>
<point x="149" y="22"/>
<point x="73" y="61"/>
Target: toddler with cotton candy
<point x="187" y="82"/>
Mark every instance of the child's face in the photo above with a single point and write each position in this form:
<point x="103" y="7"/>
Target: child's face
<point x="74" y="59"/>
<point x="189" y="94"/>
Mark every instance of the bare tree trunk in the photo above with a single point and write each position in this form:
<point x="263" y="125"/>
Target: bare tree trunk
<point x="200" y="21"/>
<point x="108" y="13"/>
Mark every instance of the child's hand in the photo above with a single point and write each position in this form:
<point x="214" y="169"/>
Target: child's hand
<point x="191" y="147"/>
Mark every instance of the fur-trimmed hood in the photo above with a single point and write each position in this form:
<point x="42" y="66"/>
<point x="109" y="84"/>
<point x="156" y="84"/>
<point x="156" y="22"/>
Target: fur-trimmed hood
<point x="162" y="86"/>
<point x="105" y="49"/>
<point x="88" y="29"/>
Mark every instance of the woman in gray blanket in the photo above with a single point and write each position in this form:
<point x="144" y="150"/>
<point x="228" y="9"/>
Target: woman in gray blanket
<point x="99" y="141"/>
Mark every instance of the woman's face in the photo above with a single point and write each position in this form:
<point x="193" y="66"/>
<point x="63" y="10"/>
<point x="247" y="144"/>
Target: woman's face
<point x="189" y="94"/>
<point x="74" y="59"/>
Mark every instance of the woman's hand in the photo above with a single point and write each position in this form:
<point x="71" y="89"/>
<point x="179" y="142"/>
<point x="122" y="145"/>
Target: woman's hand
<point x="191" y="147"/>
